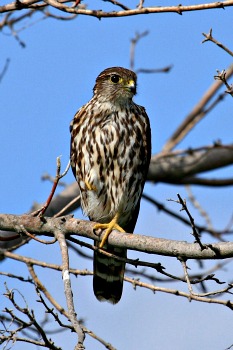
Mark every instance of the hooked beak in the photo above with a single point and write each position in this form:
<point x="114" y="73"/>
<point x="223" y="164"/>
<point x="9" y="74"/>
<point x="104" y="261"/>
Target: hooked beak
<point x="131" y="86"/>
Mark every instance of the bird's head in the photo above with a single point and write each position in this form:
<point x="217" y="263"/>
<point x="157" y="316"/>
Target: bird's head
<point x="117" y="85"/>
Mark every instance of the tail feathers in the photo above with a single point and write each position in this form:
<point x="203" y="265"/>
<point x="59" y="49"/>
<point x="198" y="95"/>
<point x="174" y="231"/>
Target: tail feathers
<point x="109" y="275"/>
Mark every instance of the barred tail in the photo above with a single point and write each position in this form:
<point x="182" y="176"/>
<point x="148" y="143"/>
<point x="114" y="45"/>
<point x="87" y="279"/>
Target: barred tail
<point x="109" y="275"/>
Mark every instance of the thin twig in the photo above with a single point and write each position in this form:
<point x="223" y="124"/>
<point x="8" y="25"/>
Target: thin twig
<point x="176" y="292"/>
<point x="51" y="311"/>
<point x="134" y="41"/>
<point x="192" y="293"/>
<point x="32" y="320"/>
<point x="31" y="261"/>
<point x="163" y="208"/>
<point x="70" y="204"/>
<point x="195" y="233"/>
<point x="209" y="37"/>
<point x="117" y="3"/>
<point x="197" y="114"/>
<point x="4" y="70"/>
<point x="59" y="176"/>
<point x="222" y="76"/>
<point x="134" y="262"/>
<point x="155" y="70"/>
<point x="20" y="278"/>
<point x="22" y="229"/>
<point x="140" y="5"/>
<point x="198" y="206"/>
<point x="41" y="287"/>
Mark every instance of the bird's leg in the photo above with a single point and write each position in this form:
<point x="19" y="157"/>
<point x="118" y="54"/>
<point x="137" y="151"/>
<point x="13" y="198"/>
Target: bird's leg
<point x="90" y="187"/>
<point x="112" y="225"/>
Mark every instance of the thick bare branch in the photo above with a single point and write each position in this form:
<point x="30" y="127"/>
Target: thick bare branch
<point x="70" y="226"/>
<point x="173" y="168"/>
<point x="177" y="168"/>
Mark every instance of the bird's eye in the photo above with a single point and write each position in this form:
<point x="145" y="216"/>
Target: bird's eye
<point x="115" y="78"/>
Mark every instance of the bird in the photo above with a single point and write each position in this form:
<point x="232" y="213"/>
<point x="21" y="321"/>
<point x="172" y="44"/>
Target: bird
<point x="110" y="154"/>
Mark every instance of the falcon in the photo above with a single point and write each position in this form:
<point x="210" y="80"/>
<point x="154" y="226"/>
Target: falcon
<point x="110" y="155"/>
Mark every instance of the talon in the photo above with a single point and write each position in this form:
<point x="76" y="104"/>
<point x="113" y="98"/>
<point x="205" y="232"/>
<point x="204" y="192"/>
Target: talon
<point x="90" y="187"/>
<point x="112" y="225"/>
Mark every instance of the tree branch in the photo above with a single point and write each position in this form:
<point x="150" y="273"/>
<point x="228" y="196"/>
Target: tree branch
<point x="197" y="114"/>
<point x="19" y="5"/>
<point x="189" y="296"/>
<point x="209" y="37"/>
<point x="70" y="226"/>
<point x="68" y="291"/>
<point x="177" y="168"/>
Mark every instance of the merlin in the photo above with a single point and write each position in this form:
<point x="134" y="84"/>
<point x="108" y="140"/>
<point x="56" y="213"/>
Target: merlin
<point x="110" y="155"/>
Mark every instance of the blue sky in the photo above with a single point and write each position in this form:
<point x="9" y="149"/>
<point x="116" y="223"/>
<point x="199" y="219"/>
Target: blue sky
<point x="46" y="83"/>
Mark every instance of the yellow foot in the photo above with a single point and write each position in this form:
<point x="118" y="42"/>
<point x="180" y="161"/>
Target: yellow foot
<point x="112" y="225"/>
<point x="90" y="187"/>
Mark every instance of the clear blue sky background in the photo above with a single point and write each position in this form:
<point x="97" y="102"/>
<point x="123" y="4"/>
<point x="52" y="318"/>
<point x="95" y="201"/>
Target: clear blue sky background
<point x="45" y="85"/>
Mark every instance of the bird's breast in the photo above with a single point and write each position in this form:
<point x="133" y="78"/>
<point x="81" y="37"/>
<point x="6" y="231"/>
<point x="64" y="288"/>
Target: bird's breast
<point x="109" y="168"/>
